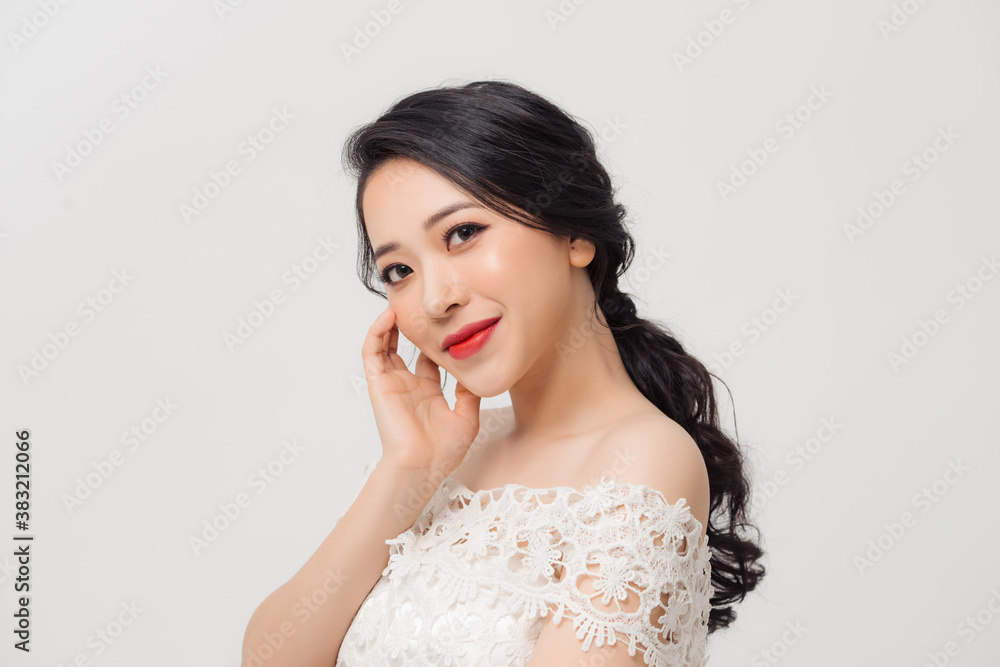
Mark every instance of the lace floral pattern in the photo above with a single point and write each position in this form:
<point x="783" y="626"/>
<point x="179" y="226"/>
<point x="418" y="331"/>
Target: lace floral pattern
<point x="472" y="580"/>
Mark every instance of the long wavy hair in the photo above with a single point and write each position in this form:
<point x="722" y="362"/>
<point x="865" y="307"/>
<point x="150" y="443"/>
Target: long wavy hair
<point x="522" y="156"/>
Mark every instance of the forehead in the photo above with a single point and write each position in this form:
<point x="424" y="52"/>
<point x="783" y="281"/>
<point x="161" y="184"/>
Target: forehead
<point x="405" y="179"/>
<point x="397" y="171"/>
<point x="403" y="189"/>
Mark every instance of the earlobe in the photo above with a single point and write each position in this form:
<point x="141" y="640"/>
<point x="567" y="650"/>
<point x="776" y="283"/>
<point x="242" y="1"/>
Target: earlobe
<point x="581" y="252"/>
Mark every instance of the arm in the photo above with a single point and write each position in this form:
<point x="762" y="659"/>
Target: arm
<point x="303" y="622"/>
<point x="308" y="616"/>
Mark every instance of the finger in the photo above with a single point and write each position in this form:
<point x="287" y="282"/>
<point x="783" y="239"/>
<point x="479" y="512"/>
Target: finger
<point x="373" y="349"/>
<point x="392" y="345"/>
<point x="392" y="349"/>
<point x="467" y="404"/>
<point x="427" y="368"/>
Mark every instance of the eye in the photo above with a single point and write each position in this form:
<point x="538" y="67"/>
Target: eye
<point x="475" y="229"/>
<point x="454" y="230"/>
<point x="385" y="274"/>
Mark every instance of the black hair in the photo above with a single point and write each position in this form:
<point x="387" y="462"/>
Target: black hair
<point x="522" y="156"/>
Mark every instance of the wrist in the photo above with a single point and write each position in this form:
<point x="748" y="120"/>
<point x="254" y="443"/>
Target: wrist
<point x="410" y="487"/>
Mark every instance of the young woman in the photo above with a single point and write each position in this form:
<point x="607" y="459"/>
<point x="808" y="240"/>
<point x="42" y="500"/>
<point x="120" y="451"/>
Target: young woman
<point x="593" y="521"/>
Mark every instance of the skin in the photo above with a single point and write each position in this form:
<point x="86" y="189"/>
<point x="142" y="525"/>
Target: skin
<point x="574" y="407"/>
<point x="538" y="285"/>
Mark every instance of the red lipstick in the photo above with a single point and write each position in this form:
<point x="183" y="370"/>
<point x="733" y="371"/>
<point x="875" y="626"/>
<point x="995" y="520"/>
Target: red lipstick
<point x="470" y="339"/>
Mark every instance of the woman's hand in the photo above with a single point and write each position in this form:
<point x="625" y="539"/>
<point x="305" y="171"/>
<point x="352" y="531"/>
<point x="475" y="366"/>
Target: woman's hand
<point x="417" y="428"/>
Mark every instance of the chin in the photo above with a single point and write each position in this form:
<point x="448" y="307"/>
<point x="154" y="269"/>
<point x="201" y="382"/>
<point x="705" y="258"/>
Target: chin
<point x="483" y="387"/>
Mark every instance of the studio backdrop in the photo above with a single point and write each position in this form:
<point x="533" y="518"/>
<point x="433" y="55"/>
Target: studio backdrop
<point x="812" y="188"/>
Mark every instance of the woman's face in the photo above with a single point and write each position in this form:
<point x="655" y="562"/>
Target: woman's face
<point x="472" y="264"/>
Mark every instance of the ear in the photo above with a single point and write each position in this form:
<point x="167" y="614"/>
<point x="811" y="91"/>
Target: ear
<point x="581" y="251"/>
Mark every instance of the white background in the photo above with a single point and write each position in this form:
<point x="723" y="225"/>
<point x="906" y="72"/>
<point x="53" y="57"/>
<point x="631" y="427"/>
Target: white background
<point x="682" y="130"/>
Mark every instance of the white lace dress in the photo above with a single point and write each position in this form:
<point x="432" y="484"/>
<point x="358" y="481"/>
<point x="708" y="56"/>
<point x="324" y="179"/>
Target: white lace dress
<point x="471" y="582"/>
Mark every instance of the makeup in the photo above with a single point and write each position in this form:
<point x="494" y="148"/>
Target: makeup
<point x="474" y="343"/>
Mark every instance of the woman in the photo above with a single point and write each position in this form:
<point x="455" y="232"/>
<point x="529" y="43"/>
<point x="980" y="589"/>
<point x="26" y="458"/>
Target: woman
<point x="596" y="519"/>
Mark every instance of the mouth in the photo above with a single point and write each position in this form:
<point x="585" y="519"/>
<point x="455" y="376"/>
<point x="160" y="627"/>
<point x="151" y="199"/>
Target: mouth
<point x="470" y="339"/>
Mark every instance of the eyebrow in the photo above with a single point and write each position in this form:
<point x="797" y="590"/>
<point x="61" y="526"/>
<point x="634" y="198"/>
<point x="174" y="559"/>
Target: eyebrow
<point x="428" y="224"/>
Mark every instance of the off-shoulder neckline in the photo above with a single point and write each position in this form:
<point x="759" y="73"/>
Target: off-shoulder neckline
<point x="681" y="503"/>
<point x="680" y="506"/>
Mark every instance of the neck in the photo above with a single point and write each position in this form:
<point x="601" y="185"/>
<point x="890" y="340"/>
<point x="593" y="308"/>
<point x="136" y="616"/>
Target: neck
<point x="578" y="384"/>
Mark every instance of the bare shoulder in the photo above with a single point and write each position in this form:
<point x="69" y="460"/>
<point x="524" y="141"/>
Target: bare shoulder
<point x="656" y="451"/>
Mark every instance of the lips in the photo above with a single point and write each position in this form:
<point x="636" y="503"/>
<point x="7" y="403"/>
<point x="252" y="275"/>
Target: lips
<point x="467" y="332"/>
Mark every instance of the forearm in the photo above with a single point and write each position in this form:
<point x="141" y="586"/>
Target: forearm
<point x="311" y="612"/>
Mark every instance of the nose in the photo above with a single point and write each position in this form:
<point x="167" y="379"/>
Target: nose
<point x="443" y="288"/>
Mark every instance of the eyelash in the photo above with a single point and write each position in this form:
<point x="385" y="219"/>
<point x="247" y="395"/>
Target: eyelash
<point x="384" y="275"/>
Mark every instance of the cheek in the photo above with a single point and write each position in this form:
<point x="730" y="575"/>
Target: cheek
<point x="414" y="325"/>
<point x="511" y="269"/>
<point x="417" y="329"/>
<point x="530" y="273"/>
<point x="408" y="320"/>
